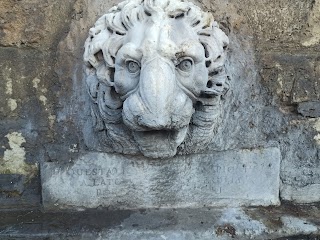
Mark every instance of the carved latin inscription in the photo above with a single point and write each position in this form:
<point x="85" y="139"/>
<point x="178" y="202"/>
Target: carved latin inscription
<point x="155" y="75"/>
<point x="245" y="177"/>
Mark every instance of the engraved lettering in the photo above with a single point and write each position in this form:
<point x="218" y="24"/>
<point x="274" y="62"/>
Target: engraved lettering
<point x="111" y="172"/>
<point x="117" y="181"/>
<point x="103" y="182"/>
<point x="216" y="177"/>
<point x="103" y="192"/>
<point x="98" y="192"/>
<point x="83" y="183"/>
<point x="95" y="182"/>
<point x="70" y="172"/>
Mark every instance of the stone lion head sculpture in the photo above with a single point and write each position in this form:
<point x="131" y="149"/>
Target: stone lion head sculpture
<point x="155" y="73"/>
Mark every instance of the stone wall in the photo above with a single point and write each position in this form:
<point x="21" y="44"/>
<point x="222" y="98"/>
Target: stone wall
<point x="274" y="98"/>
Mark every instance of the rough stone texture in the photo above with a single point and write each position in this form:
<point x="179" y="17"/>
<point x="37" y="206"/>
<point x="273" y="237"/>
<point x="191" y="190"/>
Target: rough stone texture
<point x="29" y="34"/>
<point x="232" y="178"/>
<point x="309" y="109"/>
<point x="278" y="23"/>
<point x="48" y="104"/>
<point x="12" y="183"/>
<point x="285" y="222"/>
<point x="33" y="23"/>
<point x="292" y="77"/>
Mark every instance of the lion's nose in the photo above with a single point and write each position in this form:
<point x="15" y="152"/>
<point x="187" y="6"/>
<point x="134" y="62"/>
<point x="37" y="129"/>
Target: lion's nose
<point x="159" y="103"/>
<point x="157" y="88"/>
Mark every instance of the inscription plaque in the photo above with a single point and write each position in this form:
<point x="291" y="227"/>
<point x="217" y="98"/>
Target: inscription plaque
<point x="230" y="178"/>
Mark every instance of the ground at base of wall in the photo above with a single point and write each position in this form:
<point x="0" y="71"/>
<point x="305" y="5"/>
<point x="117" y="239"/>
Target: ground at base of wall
<point x="285" y="222"/>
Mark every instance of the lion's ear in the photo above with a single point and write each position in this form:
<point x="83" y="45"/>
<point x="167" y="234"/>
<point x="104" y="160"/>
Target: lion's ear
<point x="92" y="86"/>
<point x="97" y="121"/>
<point x="93" y="47"/>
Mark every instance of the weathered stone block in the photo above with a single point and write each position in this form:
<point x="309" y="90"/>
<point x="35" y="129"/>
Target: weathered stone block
<point x="307" y="80"/>
<point x="23" y="76"/>
<point x="306" y="194"/>
<point x="291" y="78"/>
<point x="12" y="183"/>
<point x="231" y="178"/>
<point x="300" y="166"/>
<point x="309" y="109"/>
<point x="277" y="23"/>
<point x="33" y="23"/>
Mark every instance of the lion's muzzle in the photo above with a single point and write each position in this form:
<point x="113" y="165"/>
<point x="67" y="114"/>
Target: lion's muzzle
<point x="158" y="103"/>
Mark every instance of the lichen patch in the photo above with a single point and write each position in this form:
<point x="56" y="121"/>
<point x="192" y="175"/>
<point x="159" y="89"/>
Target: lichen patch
<point x="316" y="126"/>
<point x="43" y="99"/>
<point x="9" y="86"/>
<point x="8" y="79"/>
<point x="52" y="119"/>
<point x="317" y="139"/>
<point x="12" y="104"/>
<point x="36" y="82"/>
<point x="314" y="26"/>
<point x="13" y="161"/>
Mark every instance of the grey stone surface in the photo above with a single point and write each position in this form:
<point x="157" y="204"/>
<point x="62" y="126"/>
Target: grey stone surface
<point x="302" y="194"/>
<point x="12" y="183"/>
<point x="301" y="179"/>
<point x="44" y="97"/>
<point x="253" y="114"/>
<point x="292" y="78"/>
<point x="231" y="178"/>
<point x="287" y="221"/>
<point x="309" y="109"/>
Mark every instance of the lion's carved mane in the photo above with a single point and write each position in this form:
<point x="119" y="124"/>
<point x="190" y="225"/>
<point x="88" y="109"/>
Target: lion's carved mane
<point x="122" y="118"/>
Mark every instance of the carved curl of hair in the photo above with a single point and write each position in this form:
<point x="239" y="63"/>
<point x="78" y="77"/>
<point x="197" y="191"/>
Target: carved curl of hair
<point x="106" y="38"/>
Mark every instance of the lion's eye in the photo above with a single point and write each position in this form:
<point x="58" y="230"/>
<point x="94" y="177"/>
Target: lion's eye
<point x="185" y="65"/>
<point x="133" y="67"/>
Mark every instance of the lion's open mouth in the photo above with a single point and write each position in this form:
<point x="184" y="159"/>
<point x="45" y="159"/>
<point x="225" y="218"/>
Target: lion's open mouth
<point x="160" y="144"/>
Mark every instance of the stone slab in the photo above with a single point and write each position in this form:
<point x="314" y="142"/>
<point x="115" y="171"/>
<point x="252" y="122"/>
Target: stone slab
<point x="306" y="194"/>
<point x="230" y="178"/>
<point x="12" y="183"/>
<point x="309" y="109"/>
<point x="259" y="223"/>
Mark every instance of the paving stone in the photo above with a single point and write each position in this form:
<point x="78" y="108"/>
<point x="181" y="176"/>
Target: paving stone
<point x="286" y="222"/>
